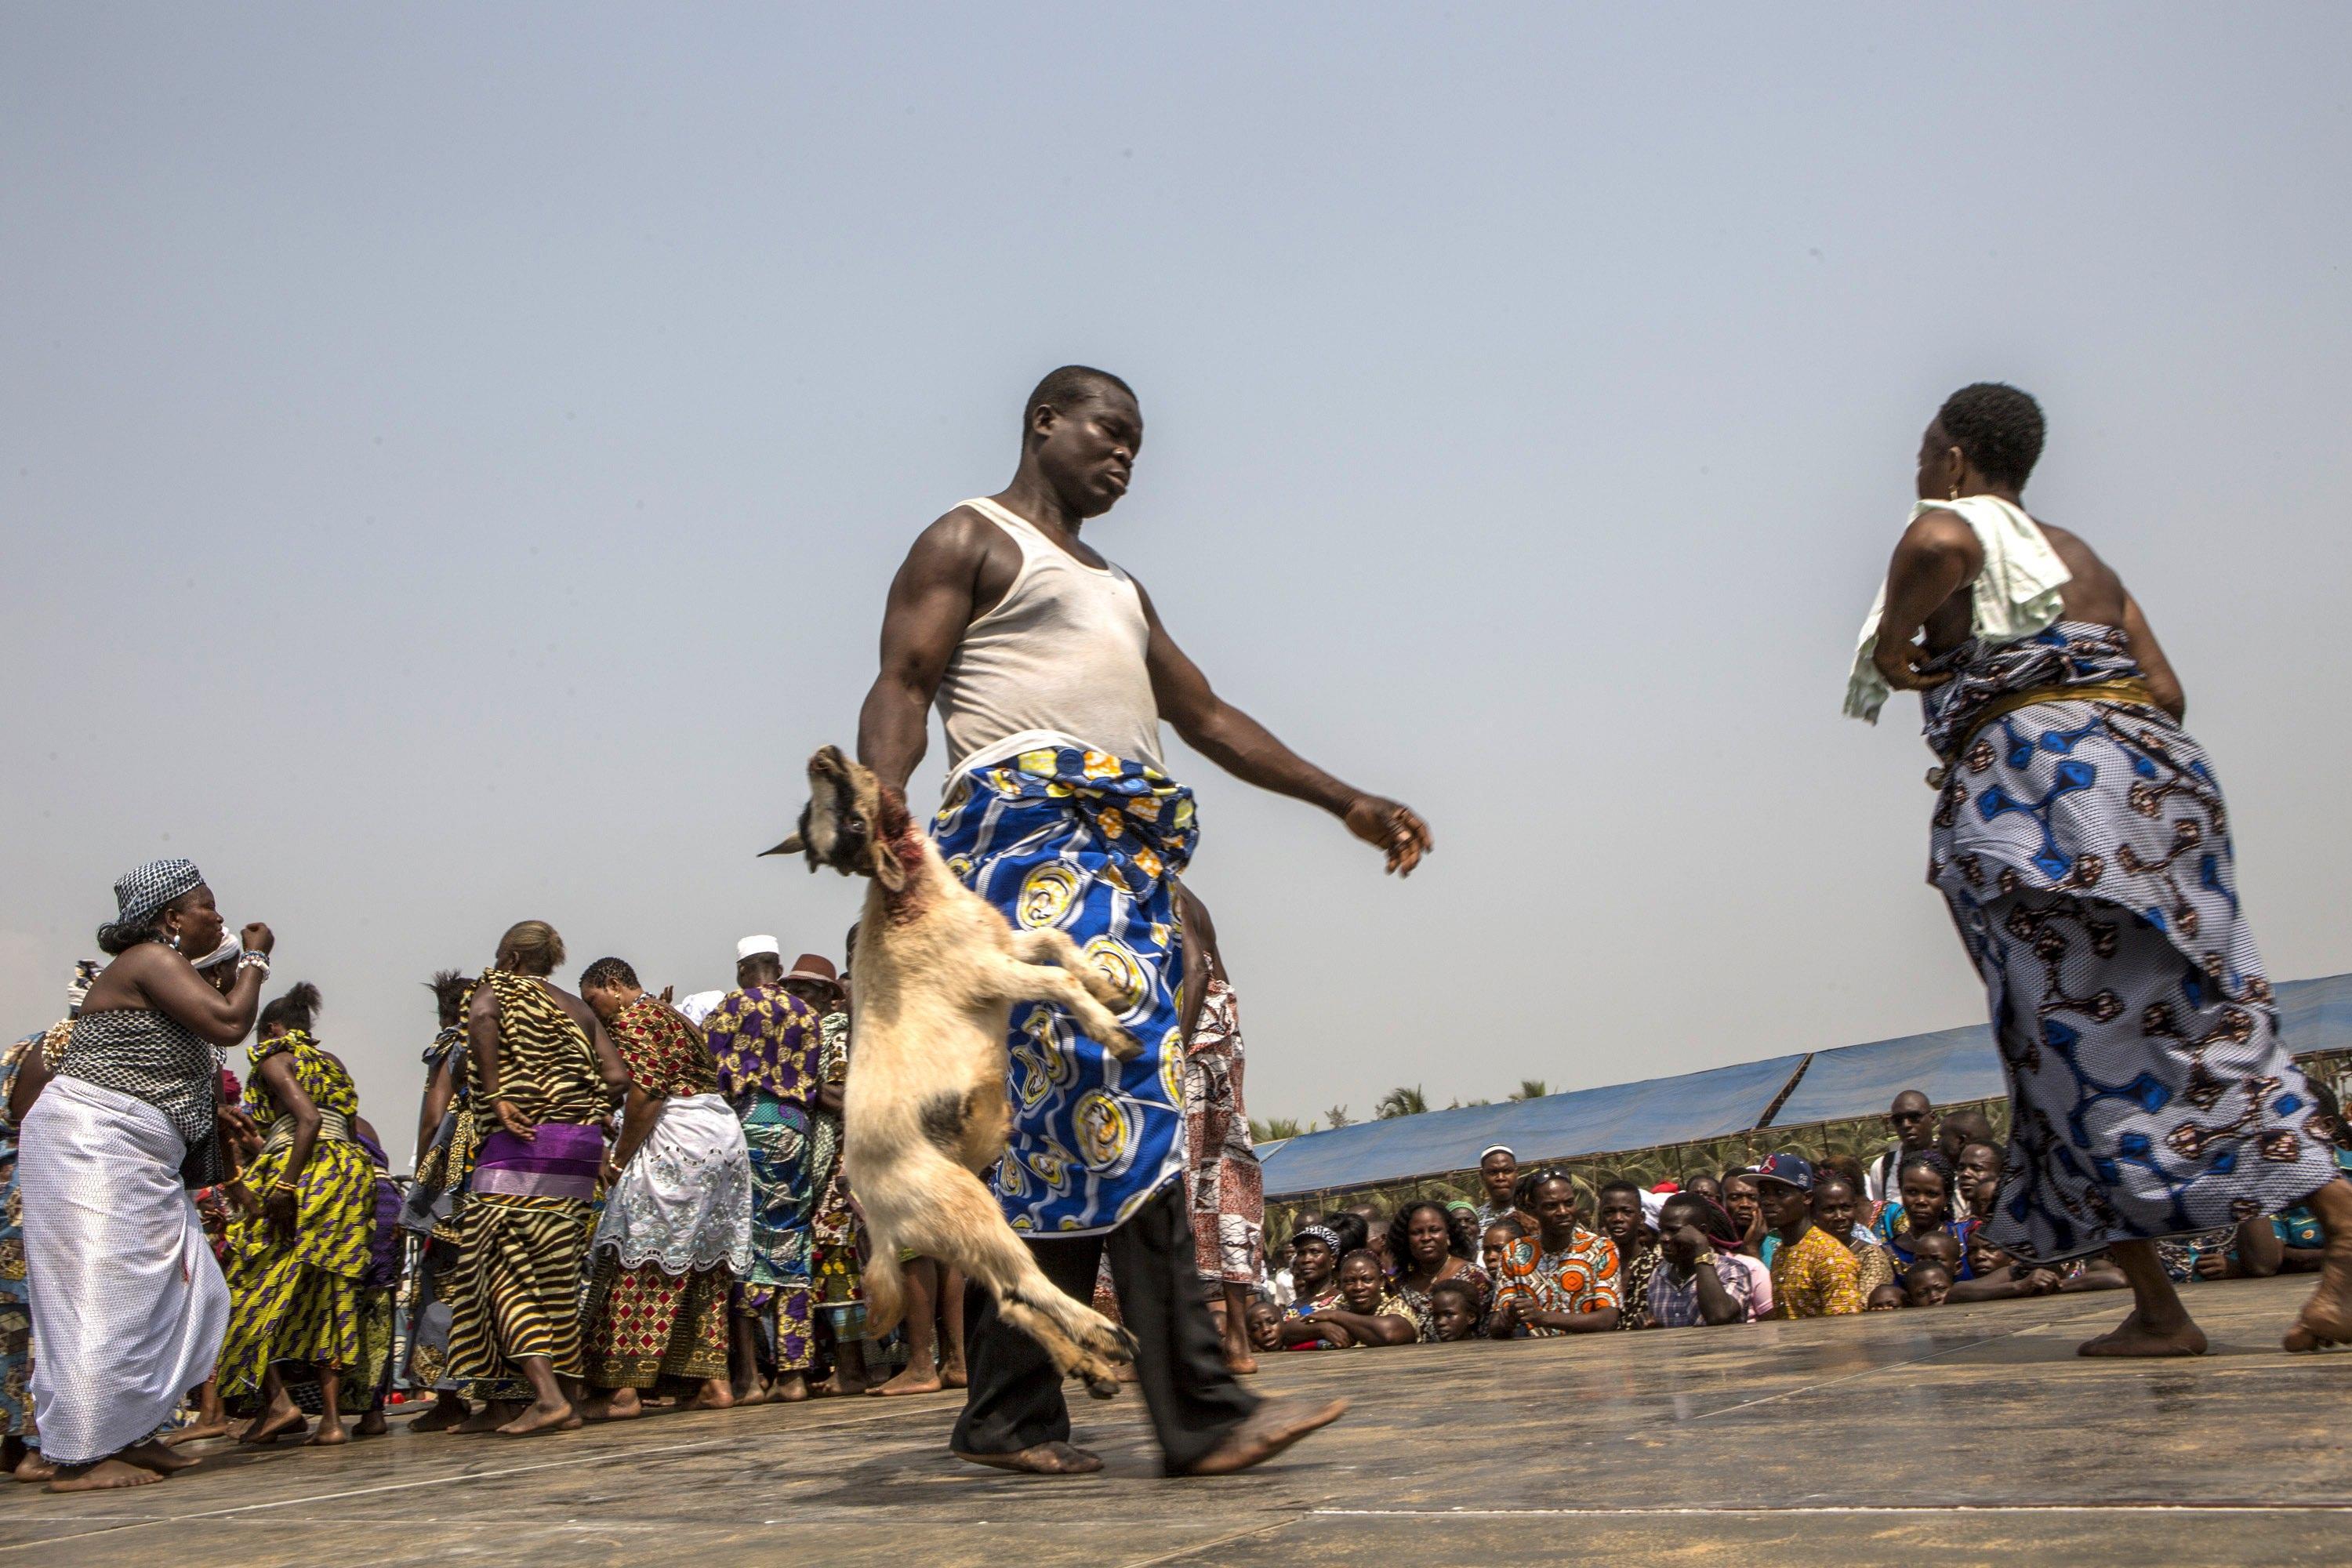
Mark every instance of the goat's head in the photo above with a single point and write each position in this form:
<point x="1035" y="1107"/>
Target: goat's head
<point x="852" y="822"/>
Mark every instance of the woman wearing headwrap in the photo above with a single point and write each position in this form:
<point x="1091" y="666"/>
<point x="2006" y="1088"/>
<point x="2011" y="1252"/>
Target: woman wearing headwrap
<point x="129" y="1306"/>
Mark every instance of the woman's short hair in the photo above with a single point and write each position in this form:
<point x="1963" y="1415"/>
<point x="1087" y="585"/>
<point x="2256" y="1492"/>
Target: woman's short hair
<point x="1996" y="427"/>
<point x="531" y="947"/>
<point x="608" y="973"/>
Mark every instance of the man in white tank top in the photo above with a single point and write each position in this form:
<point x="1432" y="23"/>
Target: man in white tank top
<point x="1053" y="674"/>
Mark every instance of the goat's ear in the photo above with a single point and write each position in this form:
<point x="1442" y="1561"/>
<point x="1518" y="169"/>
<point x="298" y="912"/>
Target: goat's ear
<point x="887" y="870"/>
<point x="795" y="845"/>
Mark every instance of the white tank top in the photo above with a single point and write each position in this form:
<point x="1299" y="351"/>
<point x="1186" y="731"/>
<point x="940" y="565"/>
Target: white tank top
<point x="1061" y="657"/>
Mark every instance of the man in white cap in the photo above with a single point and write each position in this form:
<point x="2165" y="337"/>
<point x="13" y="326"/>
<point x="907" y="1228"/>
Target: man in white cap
<point x="769" y="1049"/>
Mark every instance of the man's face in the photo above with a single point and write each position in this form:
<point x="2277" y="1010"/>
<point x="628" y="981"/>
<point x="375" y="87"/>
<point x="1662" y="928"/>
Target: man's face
<point x="1909" y="1120"/>
<point x="1621" y="1217"/>
<point x="1739" y="1200"/>
<point x="815" y="992"/>
<point x="1707" y="1187"/>
<point x="1089" y="448"/>
<point x="1984" y="1258"/>
<point x="1555" y="1203"/>
<point x="1678" y="1233"/>
<point x="1360" y="1284"/>
<point x="1452" y="1317"/>
<point x="1784" y="1205"/>
<point x="1265" y="1326"/>
<point x="1499" y="1170"/>
<point x="1980" y="1172"/>
<point x="1834" y="1208"/>
<point x="760" y="969"/>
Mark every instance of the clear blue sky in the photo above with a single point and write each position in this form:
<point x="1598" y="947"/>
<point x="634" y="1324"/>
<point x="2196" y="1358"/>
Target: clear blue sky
<point x="451" y="459"/>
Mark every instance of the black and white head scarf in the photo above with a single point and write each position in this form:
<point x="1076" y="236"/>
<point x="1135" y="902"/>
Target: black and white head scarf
<point x="142" y="894"/>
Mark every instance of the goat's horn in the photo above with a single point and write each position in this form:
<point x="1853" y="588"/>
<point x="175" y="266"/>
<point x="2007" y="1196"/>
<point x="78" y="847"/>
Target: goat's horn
<point x="795" y="845"/>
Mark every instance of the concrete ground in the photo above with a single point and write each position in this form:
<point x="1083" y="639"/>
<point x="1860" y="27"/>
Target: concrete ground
<point x="1961" y="1435"/>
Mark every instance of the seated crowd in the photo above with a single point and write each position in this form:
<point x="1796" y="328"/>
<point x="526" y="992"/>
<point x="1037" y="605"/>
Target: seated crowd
<point x="1788" y="1238"/>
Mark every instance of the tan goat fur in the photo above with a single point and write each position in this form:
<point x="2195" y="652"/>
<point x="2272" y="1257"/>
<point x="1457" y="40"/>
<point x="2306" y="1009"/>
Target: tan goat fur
<point x="937" y="969"/>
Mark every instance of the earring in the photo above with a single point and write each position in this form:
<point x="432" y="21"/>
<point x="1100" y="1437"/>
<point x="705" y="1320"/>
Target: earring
<point x="172" y="941"/>
<point x="1956" y="491"/>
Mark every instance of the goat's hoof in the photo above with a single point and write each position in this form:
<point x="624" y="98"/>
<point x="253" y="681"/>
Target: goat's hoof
<point x="1101" y="1385"/>
<point x="1123" y="1046"/>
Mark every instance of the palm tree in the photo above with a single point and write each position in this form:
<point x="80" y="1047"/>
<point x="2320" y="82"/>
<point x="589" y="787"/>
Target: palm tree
<point x="1337" y="1117"/>
<point x="1401" y="1101"/>
<point x="1275" y="1128"/>
<point x="1531" y="1089"/>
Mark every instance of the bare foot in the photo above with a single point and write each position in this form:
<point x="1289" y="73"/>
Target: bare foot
<point x="372" y="1424"/>
<point x="542" y="1417"/>
<point x="156" y="1456"/>
<point x="952" y="1375"/>
<point x="33" y="1468"/>
<point x="2326" y="1318"/>
<point x="2134" y="1338"/>
<point x="284" y="1421"/>
<point x="447" y="1410"/>
<point x="1272" y="1427"/>
<point x="621" y="1405"/>
<point x="756" y="1394"/>
<point x="791" y="1388"/>
<point x="1044" y="1460"/>
<point x="1241" y="1364"/>
<point x="202" y="1431"/>
<point x="330" y="1434"/>
<point x="913" y="1380"/>
<point x="492" y="1415"/>
<point x="103" y="1476"/>
<point x="714" y="1395"/>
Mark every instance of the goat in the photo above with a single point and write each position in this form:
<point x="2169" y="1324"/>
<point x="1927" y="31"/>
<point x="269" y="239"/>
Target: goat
<point x="926" y="1108"/>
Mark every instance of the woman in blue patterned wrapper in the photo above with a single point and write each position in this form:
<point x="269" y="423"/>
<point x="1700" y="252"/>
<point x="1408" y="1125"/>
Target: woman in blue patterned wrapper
<point x="2082" y="843"/>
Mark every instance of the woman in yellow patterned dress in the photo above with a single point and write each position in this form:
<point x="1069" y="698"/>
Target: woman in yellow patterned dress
<point x="295" y="1269"/>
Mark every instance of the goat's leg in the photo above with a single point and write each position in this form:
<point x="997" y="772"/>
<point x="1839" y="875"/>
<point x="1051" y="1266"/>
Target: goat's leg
<point x="1018" y="981"/>
<point x="1052" y="945"/>
<point x="959" y="1221"/>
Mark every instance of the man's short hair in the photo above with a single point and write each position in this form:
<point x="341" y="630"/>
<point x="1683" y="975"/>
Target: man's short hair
<point x="1996" y="428"/>
<point x="1065" y="388"/>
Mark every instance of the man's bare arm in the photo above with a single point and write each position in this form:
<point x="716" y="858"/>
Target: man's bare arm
<point x="1247" y="750"/>
<point x="930" y="604"/>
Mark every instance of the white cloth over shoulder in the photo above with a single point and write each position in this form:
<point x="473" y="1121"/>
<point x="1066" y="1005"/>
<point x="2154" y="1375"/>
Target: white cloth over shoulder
<point x="684" y="1202"/>
<point x="129" y="1306"/>
<point x="2015" y="596"/>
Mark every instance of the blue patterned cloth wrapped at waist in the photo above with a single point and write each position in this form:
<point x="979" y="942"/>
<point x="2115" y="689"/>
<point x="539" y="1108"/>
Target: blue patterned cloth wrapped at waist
<point x="2111" y="800"/>
<point x="1087" y="843"/>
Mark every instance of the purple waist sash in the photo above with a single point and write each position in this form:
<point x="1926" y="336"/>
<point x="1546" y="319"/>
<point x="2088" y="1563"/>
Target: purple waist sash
<point x="562" y="1161"/>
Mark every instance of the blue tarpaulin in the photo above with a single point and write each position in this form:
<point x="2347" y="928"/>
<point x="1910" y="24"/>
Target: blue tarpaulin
<point x="1954" y="1064"/>
<point x="1949" y="1065"/>
<point x="1557" y="1127"/>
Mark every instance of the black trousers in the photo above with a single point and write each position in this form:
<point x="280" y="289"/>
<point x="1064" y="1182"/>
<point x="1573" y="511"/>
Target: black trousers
<point x="1016" y="1400"/>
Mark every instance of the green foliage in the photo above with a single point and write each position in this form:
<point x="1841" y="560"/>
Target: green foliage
<point x="1531" y="1089"/>
<point x="1337" y="1117"/>
<point x="1277" y="1129"/>
<point x="1401" y="1101"/>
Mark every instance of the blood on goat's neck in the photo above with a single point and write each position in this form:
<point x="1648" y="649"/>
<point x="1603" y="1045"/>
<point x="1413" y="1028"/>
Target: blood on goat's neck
<point x="896" y="829"/>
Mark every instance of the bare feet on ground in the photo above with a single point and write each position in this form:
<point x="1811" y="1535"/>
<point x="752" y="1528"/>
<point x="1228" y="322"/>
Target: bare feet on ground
<point x="791" y="1388"/>
<point x="840" y="1382"/>
<point x="755" y="1393"/>
<point x="33" y="1468"/>
<point x="286" y="1421"/>
<point x="912" y="1380"/>
<point x="2133" y="1337"/>
<point x="156" y="1456"/>
<point x="447" y="1413"/>
<point x="1272" y="1427"/>
<point x="620" y="1404"/>
<point x="1044" y="1460"/>
<point x="202" y="1431"/>
<point x="2326" y="1318"/>
<point x="952" y="1375"/>
<point x="1241" y="1364"/>
<point x="373" y="1425"/>
<point x="490" y="1417"/>
<point x="541" y="1416"/>
<point x="330" y="1434"/>
<point x="103" y="1476"/>
<point x="714" y="1395"/>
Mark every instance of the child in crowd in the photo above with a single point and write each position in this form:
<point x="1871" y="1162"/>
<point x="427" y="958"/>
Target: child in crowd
<point x="1888" y="1299"/>
<point x="1454" y="1311"/>
<point x="1927" y="1283"/>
